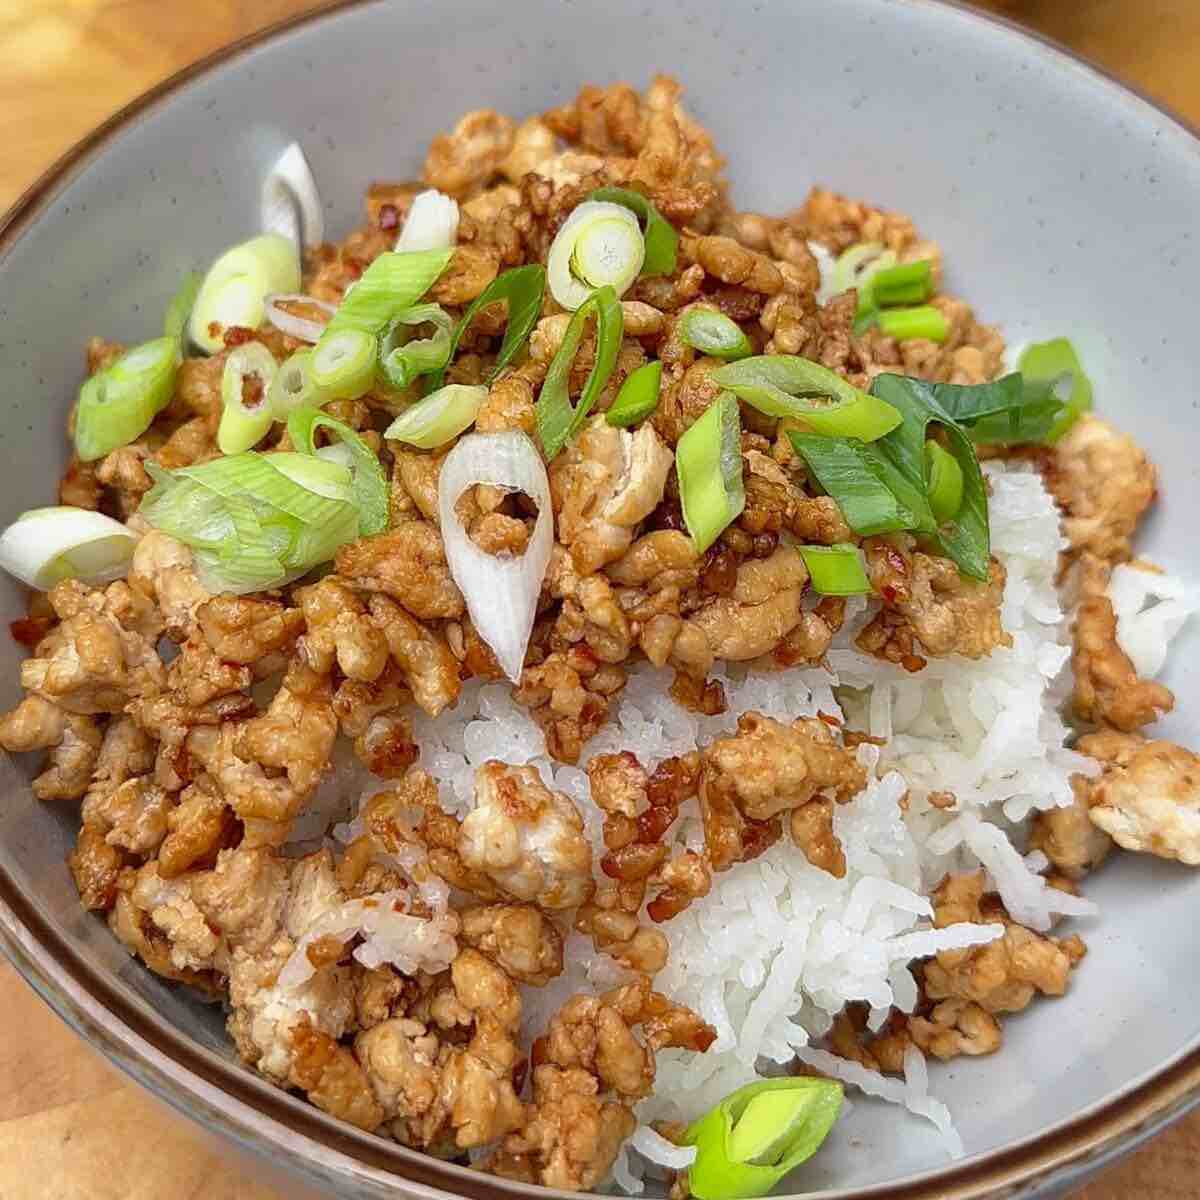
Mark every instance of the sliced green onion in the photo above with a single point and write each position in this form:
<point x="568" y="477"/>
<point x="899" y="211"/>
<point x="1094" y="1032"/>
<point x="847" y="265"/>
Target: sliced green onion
<point x="557" y="421"/>
<point x="293" y="386"/>
<point x="638" y="396"/>
<point x="1011" y="411"/>
<point x="523" y="288"/>
<point x="182" y="303"/>
<point x="118" y="404"/>
<point x="782" y="385"/>
<point x="944" y="479"/>
<point x="662" y="242"/>
<point x="44" y="546"/>
<point x="431" y="224"/>
<point x="246" y="412"/>
<point x="708" y="459"/>
<point x="855" y="266"/>
<point x="370" y="485"/>
<point x="343" y="363"/>
<point x="907" y="324"/>
<point x="235" y="288"/>
<point x="712" y="332"/>
<point x="439" y="418"/>
<point x="393" y="282"/>
<point x="289" y="202"/>
<point x="249" y="521"/>
<point x="836" y="570"/>
<point x="333" y="480"/>
<point x="598" y="245"/>
<point x="1055" y="362"/>
<point x="756" y="1135"/>
<point x="908" y="283"/>
<point x="849" y="474"/>
<point x="403" y="358"/>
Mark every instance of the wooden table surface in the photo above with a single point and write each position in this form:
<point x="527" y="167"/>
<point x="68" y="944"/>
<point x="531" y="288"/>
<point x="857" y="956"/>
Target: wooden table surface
<point x="70" y="1126"/>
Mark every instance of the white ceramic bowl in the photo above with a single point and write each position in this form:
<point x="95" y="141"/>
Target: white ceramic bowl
<point x="1064" y="204"/>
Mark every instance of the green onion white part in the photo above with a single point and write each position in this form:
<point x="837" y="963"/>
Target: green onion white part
<point x="431" y="224"/>
<point x="244" y="424"/>
<point x="302" y="328"/>
<point x="403" y="358"/>
<point x="290" y="204"/>
<point x="599" y="244"/>
<point x="293" y="386"/>
<point x="708" y="460"/>
<point x="501" y="592"/>
<point x="439" y="417"/>
<point x="712" y="332"/>
<point x="44" y="546"/>
<point x="343" y="363"/>
<point x="236" y="286"/>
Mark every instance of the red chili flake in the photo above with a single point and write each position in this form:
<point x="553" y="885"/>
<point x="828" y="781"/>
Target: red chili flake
<point x="389" y="217"/>
<point x="889" y="594"/>
<point x="235" y="335"/>
<point x="829" y="719"/>
<point x="30" y="630"/>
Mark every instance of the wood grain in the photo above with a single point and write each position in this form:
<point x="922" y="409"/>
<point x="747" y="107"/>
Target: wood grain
<point x="70" y="1126"/>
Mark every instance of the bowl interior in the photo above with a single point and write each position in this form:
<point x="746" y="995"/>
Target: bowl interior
<point x="1063" y="205"/>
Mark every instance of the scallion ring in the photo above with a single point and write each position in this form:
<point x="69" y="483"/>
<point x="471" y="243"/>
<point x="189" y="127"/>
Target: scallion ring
<point x="343" y="363"/>
<point x="439" y="418"/>
<point x="907" y="283"/>
<point x="393" y="282"/>
<point x="46" y="545"/>
<point x="599" y="245"/>
<point x="638" y="396"/>
<point x="304" y="329"/>
<point x="403" y="358"/>
<point x="118" y="404"/>
<point x="293" y="386"/>
<point x="1055" y="362"/>
<point x="662" y="242"/>
<point x="290" y="204"/>
<point x="236" y="286"/>
<point x="708" y="460"/>
<point x="908" y="324"/>
<point x="246" y="411"/>
<point x="431" y="224"/>
<point x="712" y="332"/>
<point x="836" y="570"/>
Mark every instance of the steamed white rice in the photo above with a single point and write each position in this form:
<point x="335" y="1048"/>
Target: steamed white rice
<point x="779" y="947"/>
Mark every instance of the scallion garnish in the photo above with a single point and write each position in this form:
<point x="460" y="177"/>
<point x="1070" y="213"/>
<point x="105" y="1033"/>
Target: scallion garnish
<point x="944" y="479"/>
<point x="44" y="546"/>
<point x="176" y="318"/>
<point x="439" y="418"/>
<point x="236" y="286"/>
<point x="118" y="404"/>
<point x="431" y="224"/>
<point x="662" y="242"/>
<point x="638" y="396"/>
<point x="293" y="386"/>
<point x="855" y="266"/>
<point x="851" y="476"/>
<point x="246" y="412"/>
<point x="712" y="332"/>
<point x="708" y="460"/>
<point x="557" y="421"/>
<point x="1010" y="411"/>
<point x="836" y="570"/>
<point x="1056" y="363"/>
<point x="598" y="245"/>
<point x="908" y="283"/>
<point x="523" y="288"/>
<point x="369" y="486"/>
<point x="290" y="203"/>
<point x="403" y="358"/>
<point x="393" y="282"/>
<point x="756" y="1135"/>
<point x="782" y="385"/>
<point x="254" y="521"/>
<point x="343" y="363"/>
<point x="908" y="324"/>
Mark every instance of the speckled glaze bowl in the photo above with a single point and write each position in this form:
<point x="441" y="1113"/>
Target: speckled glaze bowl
<point x="1064" y="203"/>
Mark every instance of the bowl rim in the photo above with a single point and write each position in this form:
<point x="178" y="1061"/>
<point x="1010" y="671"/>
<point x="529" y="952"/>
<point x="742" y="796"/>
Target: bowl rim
<point x="223" y="1096"/>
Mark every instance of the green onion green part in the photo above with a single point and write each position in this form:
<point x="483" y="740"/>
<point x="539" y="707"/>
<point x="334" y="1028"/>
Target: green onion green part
<point x="661" y="240"/>
<point x="250" y="523"/>
<point x="756" y="1135"/>
<point x="557" y="421"/>
<point x="908" y="324"/>
<point x="394" y="281"/>
<point x="712" y="332"/>
<point x="944" y="479"/>
<point x="343" y="363"/>
<point x="236" y="286"/>
<point x="182" y="303"/>
<point x="402" y="358"/>
<point x="293" y="386"/>
<point x="836" y="570"/>
<point x="908" y="283"/>
<point x="1010" y="411"/>
<point x="855" y="266"/>
<point x="847" y="472"/>
<point x="117" y="405"/>
<point x="708" y="460"/>
<point x="638" y="396"/>
<point x="246" y="412"/>
<point x="1056" y="363"/>
<point x="369" y="485"/>
<point x="783" y="385"/>
<point x="524" y="289"/>
<point x="598" y="245"/>
<point x="439" y="418"/>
